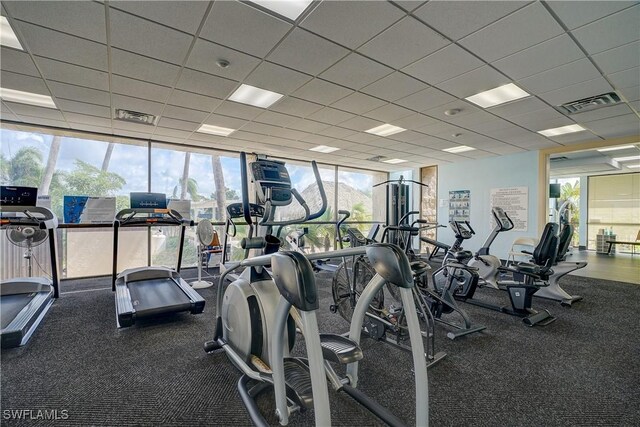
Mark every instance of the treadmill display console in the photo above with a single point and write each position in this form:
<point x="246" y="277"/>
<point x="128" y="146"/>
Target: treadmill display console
<point x="18" y="196"/>
<point x="148" y="200"/>
<point x="272" y="182"/>
<point x="234" y="210"/>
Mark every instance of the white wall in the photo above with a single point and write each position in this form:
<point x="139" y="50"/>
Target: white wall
<point x="480" y="176"/>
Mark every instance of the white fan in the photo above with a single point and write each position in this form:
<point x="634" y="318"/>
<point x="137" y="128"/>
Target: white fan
<point x="26" y="237"/>
<point x="206" y="234"/>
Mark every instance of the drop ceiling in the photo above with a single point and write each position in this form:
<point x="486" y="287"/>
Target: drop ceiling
<point x="622" y="159"/>
<point x="343" y="68"/>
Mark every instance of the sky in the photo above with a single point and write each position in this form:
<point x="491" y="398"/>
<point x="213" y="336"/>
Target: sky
<point x="130" y="162"/>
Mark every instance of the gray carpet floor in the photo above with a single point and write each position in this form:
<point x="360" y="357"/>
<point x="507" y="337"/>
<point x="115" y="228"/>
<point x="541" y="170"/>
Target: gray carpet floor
<point x="583" y="369"/>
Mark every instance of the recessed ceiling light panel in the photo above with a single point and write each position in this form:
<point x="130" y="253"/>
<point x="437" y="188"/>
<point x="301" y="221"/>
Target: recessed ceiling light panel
<point x="561" y="130"/>
<point x="215" y="130"/>
<point x="633" y="166"/>
<point x="288" y="8"/>
<point x="621" y="147"/>
<point x="255" y="96"/>
<point x="394" y="161"/>
<point x="458" y="149"/>
<point x="21" y="97"/>
<point x="385" y="130"/>
<point x="497" y="96"/>
<point x="7" y="36"/>
<point x="324" y="149"/>
<point x="626" y="159"/>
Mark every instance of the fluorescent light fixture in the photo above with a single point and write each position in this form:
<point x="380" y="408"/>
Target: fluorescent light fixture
<point x="7" y="36"/>
<point x="561" y="130"/>
<point x="394" y="161"/>
<point x="385" y="130"/>
<point x="21" y="97"/>
<point x="458" y="149"/>
<point x="324" y="149"/>
<point x="288" y="8"/>
<point x="215" y="130"/>
<point x="633" y="166"/>
<point x="255" y="96"/>
<point x="497" y="96"/>
<point x="622" y="147"/>
<point x="626" y="159"/>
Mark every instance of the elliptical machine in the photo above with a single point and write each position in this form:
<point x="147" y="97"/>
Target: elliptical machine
<point x="256" y="325"/>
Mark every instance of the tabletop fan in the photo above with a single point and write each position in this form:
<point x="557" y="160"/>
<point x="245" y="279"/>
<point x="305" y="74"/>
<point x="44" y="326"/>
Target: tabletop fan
<point x="26" y="237"/>
<point x="207" y="236"/>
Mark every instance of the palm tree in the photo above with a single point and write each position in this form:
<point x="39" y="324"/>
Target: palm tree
<point x="218" y="180"/>
<point x="24" y="168"/>
<point x="191" y="190"/>
<point x="185" y="176"/>
<point x="50" y="168"/>
<point x="107" y="157"/>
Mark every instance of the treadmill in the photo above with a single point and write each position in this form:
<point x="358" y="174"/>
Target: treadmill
<point x="151" y="291"/>
<point x="25" y="301"/>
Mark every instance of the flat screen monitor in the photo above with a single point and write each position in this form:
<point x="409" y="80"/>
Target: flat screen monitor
<point x="554" y="191"/>
<point x="148" y="200"/>
<point x="18" y="196"/>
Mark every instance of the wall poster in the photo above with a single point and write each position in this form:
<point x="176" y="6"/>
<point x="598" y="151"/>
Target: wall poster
<point x="459" y="205"/>
<point x="515" y="202"/>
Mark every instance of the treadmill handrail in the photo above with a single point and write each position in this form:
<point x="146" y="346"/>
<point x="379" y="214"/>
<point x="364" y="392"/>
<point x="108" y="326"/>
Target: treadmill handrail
<point x="48" y="222"/>
<point x="127" y="217"/>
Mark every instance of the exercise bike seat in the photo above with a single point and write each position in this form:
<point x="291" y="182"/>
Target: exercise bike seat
<point x="419" y="267"/>
<point x="339" y="349"/>
<point x="461" y="255"/>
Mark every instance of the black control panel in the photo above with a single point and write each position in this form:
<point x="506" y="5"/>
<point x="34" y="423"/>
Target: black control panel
<point x="462" y="229"/>
<point x="148" y="200"/>
<point x="234" y="210"/>
<point x="502" y="219"/>
<point x="18" y="196"/>
<point x="272" y="182"/>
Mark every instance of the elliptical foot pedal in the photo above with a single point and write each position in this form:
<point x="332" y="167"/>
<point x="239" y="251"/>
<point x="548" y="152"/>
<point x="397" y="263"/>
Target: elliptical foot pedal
<point x="339" y="349"/>
<point x="298" y="381"/>
<point x="541" y="318"/>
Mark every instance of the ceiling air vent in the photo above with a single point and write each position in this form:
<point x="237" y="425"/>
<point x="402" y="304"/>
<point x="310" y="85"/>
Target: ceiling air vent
<point x="376" y="158"/>
<point x="558" y="159"/>
<point x="588" y="104"/>
<point x="136" y="117"/>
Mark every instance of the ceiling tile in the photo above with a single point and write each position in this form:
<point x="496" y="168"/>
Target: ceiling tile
<point x="193" y="101"/>
<point x="541" y="119"/>
<point x="134" y="34"/>
<point x="544" y="56"/>
<point x="415" y="121"/>
<point x="170" y="134"/>
<point x="615" y="126"/>
<point x="577" y="91"/>
<point x="81" y="94"/>
<point x="44" y="122"/>
<point x="306" y="52"/>
<point x="394" y="86"/>
<point x="322" y="92"/>
<point x="82" y="19"/>
<point x="572" y="138"/>
<point x="143" y="68"/>
<point x="274" y="118"/>
<point x="32" y="110"/>
<point x="83" y="108"/>
<point x="443" y="65"/>
<point x="577" y="13"/>
<point x="24" y="83"/>
<point x="296" y="107"/>
<point x="205" y="84"/>
<point x="169" y="123"/>
<point x="597" y="36"/>
<point x="73" y="74"/>
<point x="525" y="28"/>
<point x="355" y="71"/>
<point x="183" y="15"/>
<point x="224" y="121"/>
<point x="276" y="78"/>
<point x="205" y="54"/>
<point x="457" y="19"/>
<point x="630" y="93"/>
<point x="415" y="39"/>
<point x="136" y="104"/>
<point x="73" y="118"/>
<point x="6" y="114"/>
<point x="388" y="113"/>
<point x="360" y="123"/>
<point x="187" y="114"/>
<point x="626" y="78"/>
<point x="139" y="89"/>
<point x="478" y="80"/>
<point x="17" y="61"/>
<point x="91" y="128"/>
<point x="336" y="132"/>
<point x="307" y="125"/>
<point x="559" y="77"/>
<point x="351" y="23"/>
<point x="518" y="107"/>
<point x="489" y="127"/>
<point x="617" y="59"/>
<point x="358" y="103"/>
<point x="330" y="116"/>
<point x="241" y="111"/>
<point x="244" y="28"/>
<point x="425" y="99"/>
<point x="62" y="47"/>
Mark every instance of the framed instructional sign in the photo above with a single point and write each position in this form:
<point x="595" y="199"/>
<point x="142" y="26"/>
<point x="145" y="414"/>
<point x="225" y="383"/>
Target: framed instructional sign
<point x="459" y="205"/>
<point x="515" y="202"/>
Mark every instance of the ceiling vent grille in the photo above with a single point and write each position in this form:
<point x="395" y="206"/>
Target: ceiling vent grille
<point x="136" y="117"/>
<point x="376" y="158"/>
<point x="559" y="159"/>
<point x="588" y="104"/>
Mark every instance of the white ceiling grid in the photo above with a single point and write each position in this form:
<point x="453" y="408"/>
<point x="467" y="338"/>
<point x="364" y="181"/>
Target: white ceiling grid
<point x="343" y="66"/>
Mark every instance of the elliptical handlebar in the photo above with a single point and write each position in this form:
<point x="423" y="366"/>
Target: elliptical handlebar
<point x="246" y="209"/>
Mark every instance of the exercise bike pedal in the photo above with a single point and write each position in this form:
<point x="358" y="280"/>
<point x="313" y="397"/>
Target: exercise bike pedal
<point x="339" y="349"/>
<point x="333" y="308"/>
